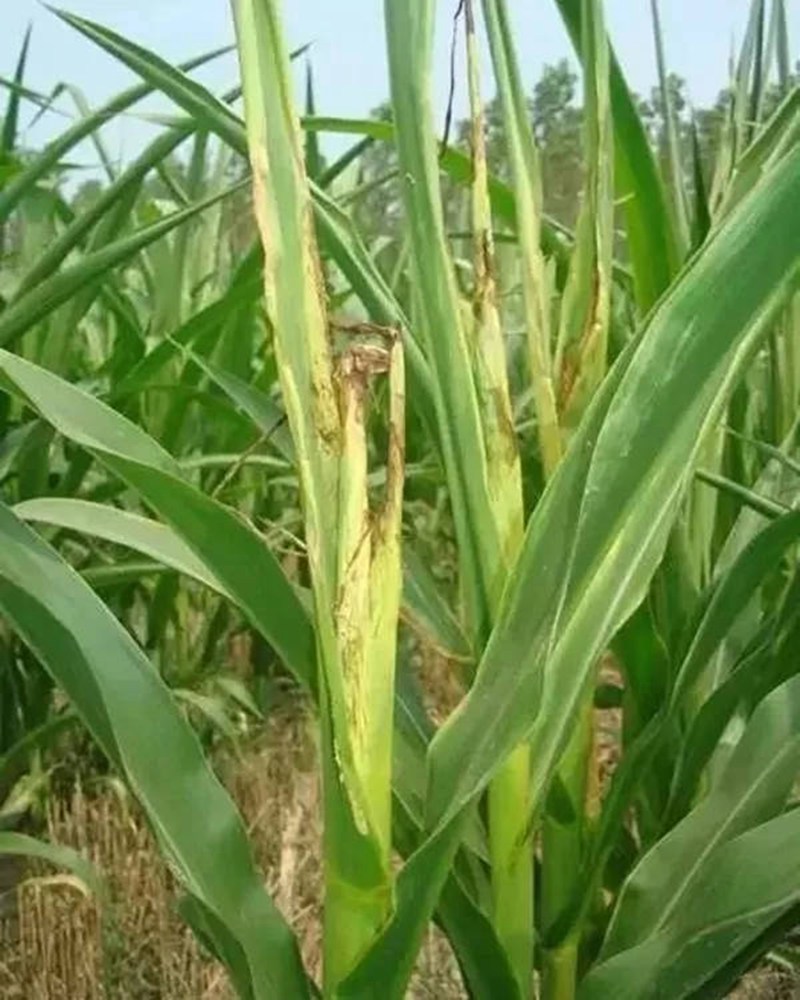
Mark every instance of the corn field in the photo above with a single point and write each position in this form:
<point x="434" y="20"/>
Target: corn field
<point x="563" y="460"/>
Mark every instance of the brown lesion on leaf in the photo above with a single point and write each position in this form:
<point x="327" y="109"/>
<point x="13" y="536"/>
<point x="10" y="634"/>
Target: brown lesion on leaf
<point x="575" y="358"/>
<point x="505" y="425"/>
<point x="484" y="293"/>
<point x="363" y="351"/>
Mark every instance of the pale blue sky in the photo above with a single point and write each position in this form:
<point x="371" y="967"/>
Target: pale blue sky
<point x="348" y="47"/>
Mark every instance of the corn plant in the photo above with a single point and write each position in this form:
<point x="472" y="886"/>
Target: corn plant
<point x="650" y="569"/>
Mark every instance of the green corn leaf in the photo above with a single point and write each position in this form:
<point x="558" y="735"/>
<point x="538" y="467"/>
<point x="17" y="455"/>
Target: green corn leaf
<point x="169" y="549"/>
<point x="731" y="596"/>
<point x="427" y="612"/>
<point x="21" y="845"/>
<point x="314" y="160"/>
<point x="235" y="552"/>
<point x="49" y="158"/>
<point x="779" y="482"/>
<point x="8" y="136"/>
<point x="40" y="301"/>
<point x="194" y="97"/>
<point x="245" y="287"/>
<point x="599" y="532"/>
<point x="56" y="253"/>
<point x="745" y="887"/>
<point x="752" y="789"/>
<point x="386" y="967"/>
<point x="701" y="217"/>
<point x="751" y="674"/>
<point x="143" y="535"/>
<point x="776" y="138"/>
<point x="782" y="49"/>
<point x="673" y="138"/>
<point x="114" y="687"/>
<point x="767" y="945"/>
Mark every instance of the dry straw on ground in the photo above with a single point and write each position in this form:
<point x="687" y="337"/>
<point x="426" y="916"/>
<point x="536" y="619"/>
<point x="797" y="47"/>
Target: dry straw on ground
<point x="59" y="946"/>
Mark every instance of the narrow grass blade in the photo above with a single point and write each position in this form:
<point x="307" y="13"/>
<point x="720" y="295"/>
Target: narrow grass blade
<point x="701" y="217"/>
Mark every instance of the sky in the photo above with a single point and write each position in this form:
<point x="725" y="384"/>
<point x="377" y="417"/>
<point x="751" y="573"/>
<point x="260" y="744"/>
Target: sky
<point x="347" y="50"/>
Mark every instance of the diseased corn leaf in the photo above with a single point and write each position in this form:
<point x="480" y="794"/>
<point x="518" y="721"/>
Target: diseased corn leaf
<point x="335" y="230"/>
<point x="745" y="886"/>
<point x="536" y="280"/>
<point x="397" y="946"/>
<point x="409" y="36"/>
<point x="168" y="547"/>
<point x="349" y="546"/>
<point x="490" y="364"/>
<point x="114" y="688"/>
<point x="582" y="352"/>
<point x="458" y="166"/>
<point x="599" y="532"/>
<point x="652" y="241"/>
<point x="423" y="606"/>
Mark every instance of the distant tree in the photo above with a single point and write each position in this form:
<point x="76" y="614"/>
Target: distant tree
<point x="557" y="123"/>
